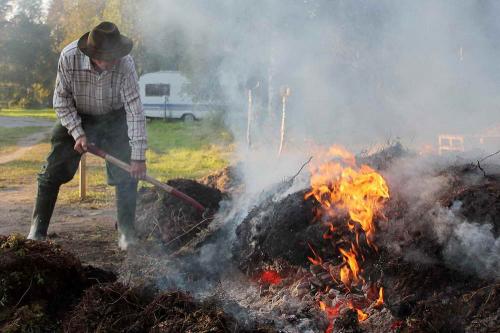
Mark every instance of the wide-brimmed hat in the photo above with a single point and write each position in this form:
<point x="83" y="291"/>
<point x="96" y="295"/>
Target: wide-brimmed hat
<point x="105" y="42"/>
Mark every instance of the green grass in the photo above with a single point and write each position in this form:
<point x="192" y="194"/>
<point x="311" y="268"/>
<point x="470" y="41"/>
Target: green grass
<point x="46" y="113"/>
<point x="176" y="150"/>
<point x="186" y="150"/>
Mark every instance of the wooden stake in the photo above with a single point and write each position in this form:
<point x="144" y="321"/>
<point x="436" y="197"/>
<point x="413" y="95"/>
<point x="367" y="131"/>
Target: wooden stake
<point x="83" y="177"/>
<point x="285" y="92"/>
<point x="249" y="119"/>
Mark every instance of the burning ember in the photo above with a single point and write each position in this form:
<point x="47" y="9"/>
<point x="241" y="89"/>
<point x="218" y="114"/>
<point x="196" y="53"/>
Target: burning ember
<point x="342" y="187"/>
<point x="270" y="277"/>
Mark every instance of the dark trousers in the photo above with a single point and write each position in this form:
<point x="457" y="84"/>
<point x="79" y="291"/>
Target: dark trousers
<point x="108" y="132"/>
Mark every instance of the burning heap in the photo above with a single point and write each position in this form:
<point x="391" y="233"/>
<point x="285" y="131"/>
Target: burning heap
<point x="342" y="187"/>
<point x="422" y="256"/>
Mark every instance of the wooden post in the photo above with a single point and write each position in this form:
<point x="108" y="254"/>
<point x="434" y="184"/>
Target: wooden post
<point x="249" y="119"/>
<point x="285" y="92"/>
<point x="251" y="86"/>
<point x="83" y="176"/>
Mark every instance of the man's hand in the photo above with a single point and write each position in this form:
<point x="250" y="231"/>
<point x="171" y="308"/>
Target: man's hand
<point x="81" y="144"/>
<point x="138" y="169"/>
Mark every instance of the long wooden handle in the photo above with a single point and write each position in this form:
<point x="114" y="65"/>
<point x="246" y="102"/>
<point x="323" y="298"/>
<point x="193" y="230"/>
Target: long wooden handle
<point x="167" y="188"/>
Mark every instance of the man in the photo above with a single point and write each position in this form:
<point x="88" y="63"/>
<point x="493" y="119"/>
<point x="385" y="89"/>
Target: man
<point x="96" y="100"/>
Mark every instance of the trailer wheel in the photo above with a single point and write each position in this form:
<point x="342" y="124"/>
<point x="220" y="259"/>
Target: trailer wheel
<point x="188" y="117"/>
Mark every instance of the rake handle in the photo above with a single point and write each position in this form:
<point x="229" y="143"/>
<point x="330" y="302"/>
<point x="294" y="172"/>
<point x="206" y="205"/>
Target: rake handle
<point x="125" y="166"/>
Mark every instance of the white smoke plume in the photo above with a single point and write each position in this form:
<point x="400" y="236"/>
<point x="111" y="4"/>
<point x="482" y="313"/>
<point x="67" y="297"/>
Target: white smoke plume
<point x="359" y="71"/>
<point x="468" y="246"/>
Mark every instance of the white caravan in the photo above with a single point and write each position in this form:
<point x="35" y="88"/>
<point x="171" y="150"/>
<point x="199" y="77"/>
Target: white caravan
<point x="162" y="97"/>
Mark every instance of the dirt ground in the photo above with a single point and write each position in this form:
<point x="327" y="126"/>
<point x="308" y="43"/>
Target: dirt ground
<point x="88" y="233"/>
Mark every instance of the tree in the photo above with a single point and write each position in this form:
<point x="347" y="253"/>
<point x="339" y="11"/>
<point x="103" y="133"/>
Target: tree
<point x="27" y="62"/>
<point x="5" y="8"/>
<point x="69" y="19"/>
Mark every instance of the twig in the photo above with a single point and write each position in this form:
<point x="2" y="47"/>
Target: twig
<point x="21" y="299"/>
<point x="155" y="222"/>
<point x="187" y="232"/>
<point x="490" y="155"/>
<point x="480" y="168"/>
<point x="478" y="164"/>
<point x="300" y="170"/>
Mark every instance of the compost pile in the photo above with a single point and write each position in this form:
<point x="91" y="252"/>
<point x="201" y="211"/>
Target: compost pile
<point x="39" y="282"/>
<point x="227" y="180"/>
<point x="382" y="245"/>
<point x="171" y="220"/>
<point x="119" y="308"/>
<point x="431" y="262"/>
<point x="46" y="289"/>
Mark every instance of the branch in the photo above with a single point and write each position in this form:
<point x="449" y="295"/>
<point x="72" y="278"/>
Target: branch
<point x="187" y="232"/>
<point x="21" y="299"/>
<point x="495" y="153"/>
<point x="302" y="167"/>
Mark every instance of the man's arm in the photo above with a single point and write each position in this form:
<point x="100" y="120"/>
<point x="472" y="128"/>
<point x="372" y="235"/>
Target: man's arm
<point x="136" y="121"/>
<point x="64" y="105"/>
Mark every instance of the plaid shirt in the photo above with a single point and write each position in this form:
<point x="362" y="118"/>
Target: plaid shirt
<point x="80" y="89"/>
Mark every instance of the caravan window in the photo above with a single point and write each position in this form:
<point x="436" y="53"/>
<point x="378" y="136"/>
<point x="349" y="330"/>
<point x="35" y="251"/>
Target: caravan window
<point x="158" y="89"/>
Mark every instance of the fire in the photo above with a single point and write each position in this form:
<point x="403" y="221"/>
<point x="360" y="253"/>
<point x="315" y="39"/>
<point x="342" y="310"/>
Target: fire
<point x="362" y="316"/>
<point x="270" y="277"/>
<point x="361" y="192"/>
<point x="331" y="313"/>
<point x="349" y="273"/>
<point x="340" y="186"/>
<point x="380" y="300"/>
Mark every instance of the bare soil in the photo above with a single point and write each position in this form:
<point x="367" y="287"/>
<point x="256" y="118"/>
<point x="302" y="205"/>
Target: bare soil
<point x="88" y="233"/>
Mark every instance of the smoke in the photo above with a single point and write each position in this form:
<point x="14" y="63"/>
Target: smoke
<point x="359" y="71"/>
<point x="468" y="246"/>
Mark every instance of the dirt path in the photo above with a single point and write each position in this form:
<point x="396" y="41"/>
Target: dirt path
<point x="28" y="142"/>
<point x="89" y="233"/>
<point x="24" y="145"/>
<point x="24" y="122"/>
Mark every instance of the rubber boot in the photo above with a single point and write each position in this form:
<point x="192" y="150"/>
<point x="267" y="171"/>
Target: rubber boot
<point x="42" y="212"/>
<point x="126" y="197"/>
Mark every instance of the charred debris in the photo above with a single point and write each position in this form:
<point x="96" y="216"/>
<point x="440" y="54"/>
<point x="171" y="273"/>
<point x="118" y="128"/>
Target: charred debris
<point x="283" y="270"/>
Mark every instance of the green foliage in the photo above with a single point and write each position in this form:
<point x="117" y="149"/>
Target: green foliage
<point x="27" y="62"/>
<point x="70" y="19"/>
<point x="30" y="44"/>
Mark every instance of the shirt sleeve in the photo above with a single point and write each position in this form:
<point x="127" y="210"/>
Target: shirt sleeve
<point x="64" y="104"/>
<point x="136" y="120"/>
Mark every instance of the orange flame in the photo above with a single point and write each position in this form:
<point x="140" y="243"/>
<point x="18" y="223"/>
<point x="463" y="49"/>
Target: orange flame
<point x="362" y="316"/>
<point x="350" y="272"/>
<point x="380" y="300"/>
<point x="340" y="186"/>
<point x="359" y="191"/>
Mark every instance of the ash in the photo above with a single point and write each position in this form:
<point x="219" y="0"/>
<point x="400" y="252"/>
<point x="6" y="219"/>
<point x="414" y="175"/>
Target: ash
<point x="437" y="259"/>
